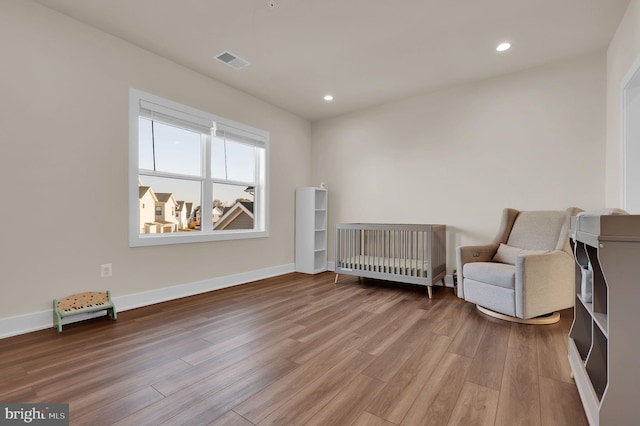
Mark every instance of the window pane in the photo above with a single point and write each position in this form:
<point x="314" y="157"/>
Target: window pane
<point x="241" y="162"/>
<point x="168" y="148"/>
<point x="233" y="207"/>
<point x="232" y="160"/>
<point x="168" y="205"/>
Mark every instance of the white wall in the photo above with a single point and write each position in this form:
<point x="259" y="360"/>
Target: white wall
<point x="623" y="51"/>
<point x="531" y="140"/>
<point x="64" y="154"/>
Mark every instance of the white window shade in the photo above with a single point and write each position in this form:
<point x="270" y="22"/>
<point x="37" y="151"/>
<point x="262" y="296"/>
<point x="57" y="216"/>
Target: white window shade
<point x="239" y="135"/>
<point x="185" y="119"/>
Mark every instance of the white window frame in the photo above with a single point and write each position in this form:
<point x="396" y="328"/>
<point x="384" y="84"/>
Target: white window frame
<point x="139" y="100"/>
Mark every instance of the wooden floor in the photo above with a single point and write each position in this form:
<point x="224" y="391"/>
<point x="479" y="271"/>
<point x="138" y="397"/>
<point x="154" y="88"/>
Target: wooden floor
<point x="295" y="350"/>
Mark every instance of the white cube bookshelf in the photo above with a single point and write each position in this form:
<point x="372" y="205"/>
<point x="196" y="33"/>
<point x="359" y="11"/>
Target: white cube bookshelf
<point x="311" y="230"/>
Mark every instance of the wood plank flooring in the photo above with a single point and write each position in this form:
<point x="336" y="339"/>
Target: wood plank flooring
<point x="297" y="350"/>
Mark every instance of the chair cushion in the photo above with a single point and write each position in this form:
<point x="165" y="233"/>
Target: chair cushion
<point x="508" y="254"/>
<point x="499" y="274"/>
<point x="537" y="230"/>
<point x="493" y="297"/>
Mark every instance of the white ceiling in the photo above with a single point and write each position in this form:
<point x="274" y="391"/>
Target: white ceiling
<point x="364" y="52"/>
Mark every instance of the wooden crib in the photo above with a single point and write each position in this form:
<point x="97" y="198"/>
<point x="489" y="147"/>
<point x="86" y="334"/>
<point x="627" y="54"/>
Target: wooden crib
<point x="414" y="254"/>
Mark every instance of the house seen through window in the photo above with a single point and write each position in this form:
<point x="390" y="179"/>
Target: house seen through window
<point x="198" y="177"/>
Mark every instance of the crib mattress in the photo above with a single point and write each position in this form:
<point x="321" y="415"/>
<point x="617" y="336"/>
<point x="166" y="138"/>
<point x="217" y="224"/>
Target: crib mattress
<point x="386" y="265"/>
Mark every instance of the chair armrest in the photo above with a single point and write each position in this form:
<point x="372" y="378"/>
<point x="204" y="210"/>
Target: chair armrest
<point x="544" y="283"/>
<point x="468" y="254"/>
<point x="482" y="253"/>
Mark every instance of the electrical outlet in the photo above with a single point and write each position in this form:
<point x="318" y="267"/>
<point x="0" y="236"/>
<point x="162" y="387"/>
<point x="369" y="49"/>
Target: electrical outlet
<point x="105" y="270"/>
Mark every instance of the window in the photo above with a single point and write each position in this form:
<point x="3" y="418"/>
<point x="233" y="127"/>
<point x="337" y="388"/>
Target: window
<point x="182" y="159"/>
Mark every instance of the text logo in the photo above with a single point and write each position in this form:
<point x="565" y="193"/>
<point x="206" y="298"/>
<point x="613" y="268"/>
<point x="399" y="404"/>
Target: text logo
<point x="34" y="414"/>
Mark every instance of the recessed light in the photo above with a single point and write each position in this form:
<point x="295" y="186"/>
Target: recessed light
<point x="328" y="98"/>
<point x="502" y="47"/>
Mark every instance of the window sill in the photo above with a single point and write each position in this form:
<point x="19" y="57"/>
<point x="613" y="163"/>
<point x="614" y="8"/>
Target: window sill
<point x="144" y="240"/>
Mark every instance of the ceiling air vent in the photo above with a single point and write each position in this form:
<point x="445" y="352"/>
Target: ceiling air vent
<point x="232" y="60"/>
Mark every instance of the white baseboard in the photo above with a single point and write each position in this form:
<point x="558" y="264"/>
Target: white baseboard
<point x="21" y="324"/>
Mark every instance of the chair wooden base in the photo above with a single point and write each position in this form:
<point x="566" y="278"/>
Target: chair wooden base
<point x="552" y="318"/>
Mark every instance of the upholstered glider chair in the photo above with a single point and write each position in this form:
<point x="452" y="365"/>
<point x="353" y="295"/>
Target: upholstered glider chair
<point x="527" y="273"/>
